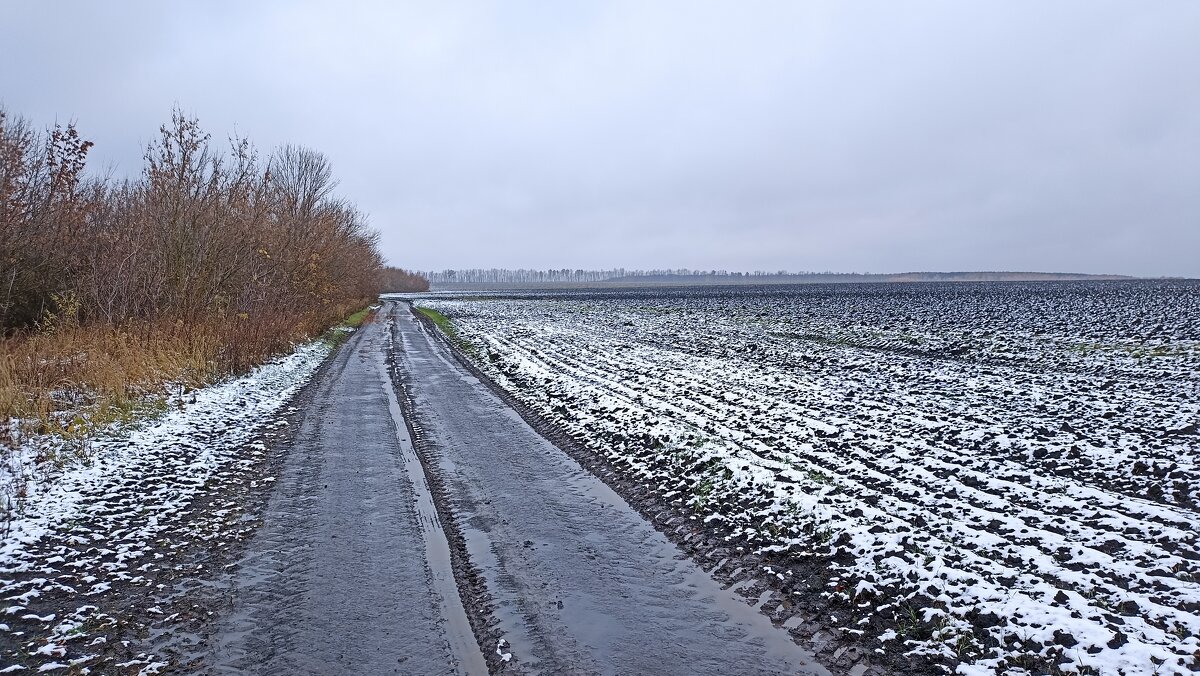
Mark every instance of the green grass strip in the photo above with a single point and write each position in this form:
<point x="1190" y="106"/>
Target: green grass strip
<point x="443" y="322"/>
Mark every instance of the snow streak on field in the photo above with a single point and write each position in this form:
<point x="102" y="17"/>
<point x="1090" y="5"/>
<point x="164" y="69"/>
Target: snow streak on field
<point x="1000" y="476"/>
<point x="77" y="550"/>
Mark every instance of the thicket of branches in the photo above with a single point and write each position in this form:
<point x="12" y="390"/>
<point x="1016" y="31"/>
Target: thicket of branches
<point x="399" y="280"/>
<point x="199" y="234"/>
<point x="208" y="262"/>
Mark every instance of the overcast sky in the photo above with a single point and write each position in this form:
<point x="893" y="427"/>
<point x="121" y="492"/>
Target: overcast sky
<point x="848" y="136"/>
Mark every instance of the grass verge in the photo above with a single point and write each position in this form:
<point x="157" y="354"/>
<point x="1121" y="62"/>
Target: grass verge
<point x="339" y="334"/>
<point x="361" y="317"/>
<point x="442" y="321"/>
<point x="446" y="326"/>
<point x="74" y="380"/>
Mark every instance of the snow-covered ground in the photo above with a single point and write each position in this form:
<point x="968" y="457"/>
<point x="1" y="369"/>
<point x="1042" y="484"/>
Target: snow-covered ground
<point x="1002" y="476"/>
<point x="86" y="538"/>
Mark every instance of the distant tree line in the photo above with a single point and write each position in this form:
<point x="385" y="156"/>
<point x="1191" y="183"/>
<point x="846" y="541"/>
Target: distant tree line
<point x="687" y="276"/>
<point x="399" y="280"/>
<point x="567" y="275"/>
<point x="201" y="234"/>
<point x="503" y="276"/>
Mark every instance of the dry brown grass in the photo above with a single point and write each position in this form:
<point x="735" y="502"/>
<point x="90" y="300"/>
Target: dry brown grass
<point x="66" y="380"/>
<point x="79" y="367"/>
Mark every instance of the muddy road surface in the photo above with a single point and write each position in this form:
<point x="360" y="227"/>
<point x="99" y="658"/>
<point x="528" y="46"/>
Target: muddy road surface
<point x="349" y="571"/>
<point x="540" y="567"/>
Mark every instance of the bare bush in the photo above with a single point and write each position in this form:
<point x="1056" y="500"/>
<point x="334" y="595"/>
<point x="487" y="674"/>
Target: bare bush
<point x="230" y="256"/>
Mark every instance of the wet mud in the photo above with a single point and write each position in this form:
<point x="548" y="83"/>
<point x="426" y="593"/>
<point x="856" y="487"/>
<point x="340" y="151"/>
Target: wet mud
<point x="345" y="575"/>
<point x="575" y="580"/>
<point x="419" y="525"/>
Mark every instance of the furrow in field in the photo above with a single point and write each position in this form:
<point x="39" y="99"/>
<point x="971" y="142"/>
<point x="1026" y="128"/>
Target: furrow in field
<point x="953" y="534"/>
<point x="1046" y="506"/>
<point x="1052" y="490"/>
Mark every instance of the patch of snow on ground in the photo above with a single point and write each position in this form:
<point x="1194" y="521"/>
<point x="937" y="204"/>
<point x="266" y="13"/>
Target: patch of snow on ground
<point x="104" y="521"/>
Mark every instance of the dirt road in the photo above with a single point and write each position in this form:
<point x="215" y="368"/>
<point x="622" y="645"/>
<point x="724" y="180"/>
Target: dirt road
<point x="345" y="574"/>
<point x="351" y="571"/>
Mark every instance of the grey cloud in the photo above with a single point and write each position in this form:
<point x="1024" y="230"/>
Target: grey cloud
<point x="843" y="136"/>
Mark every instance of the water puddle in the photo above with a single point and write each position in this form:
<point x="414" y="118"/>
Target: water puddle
<point x="437" y="548"/>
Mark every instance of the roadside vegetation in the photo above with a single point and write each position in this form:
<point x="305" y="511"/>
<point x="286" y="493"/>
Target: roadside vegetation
<point x="447" y="327"/>
<point x="359" y="318"/>
<point x="114" y="292"/>
<point x="399" y="280"/>
<point x="441" y="321"/>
